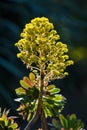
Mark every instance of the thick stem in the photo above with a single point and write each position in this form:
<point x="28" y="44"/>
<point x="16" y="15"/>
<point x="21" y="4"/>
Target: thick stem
<point x="40" y="111"/>
<point x="43" y="121"/>
<point x="42" y="115"/>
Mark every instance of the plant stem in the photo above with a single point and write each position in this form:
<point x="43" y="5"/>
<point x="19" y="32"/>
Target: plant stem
<point x="42" y="115"/>
<point x="40" y="111"/>
<point x="43" y="121"/>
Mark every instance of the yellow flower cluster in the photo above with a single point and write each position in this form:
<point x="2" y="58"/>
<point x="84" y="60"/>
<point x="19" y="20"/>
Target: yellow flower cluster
<point x="39" y="44"/>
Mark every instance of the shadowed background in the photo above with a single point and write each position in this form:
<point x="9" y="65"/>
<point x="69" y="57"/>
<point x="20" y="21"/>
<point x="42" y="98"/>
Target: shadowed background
<point x="70" y="20"/>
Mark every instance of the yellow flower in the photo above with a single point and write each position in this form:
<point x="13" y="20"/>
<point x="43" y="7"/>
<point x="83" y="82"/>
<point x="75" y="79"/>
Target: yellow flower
<point x="39" y="44"/>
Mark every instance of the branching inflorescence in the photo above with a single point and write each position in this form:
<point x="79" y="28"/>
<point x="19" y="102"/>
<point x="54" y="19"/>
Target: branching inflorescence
<point x="40" y="45"/>
<point x="43" y="53"/>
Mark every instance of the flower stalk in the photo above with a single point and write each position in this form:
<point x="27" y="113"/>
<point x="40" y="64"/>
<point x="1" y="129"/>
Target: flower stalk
<point x="43" y="53"/>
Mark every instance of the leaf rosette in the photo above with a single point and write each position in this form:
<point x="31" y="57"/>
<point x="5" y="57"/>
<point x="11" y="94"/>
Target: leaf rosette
<point x="27" y="96"/>
<point x="7" y="122"/>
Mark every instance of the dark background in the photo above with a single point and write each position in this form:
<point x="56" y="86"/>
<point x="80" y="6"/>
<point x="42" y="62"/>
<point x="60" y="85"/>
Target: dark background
<point x="70" y="20"/>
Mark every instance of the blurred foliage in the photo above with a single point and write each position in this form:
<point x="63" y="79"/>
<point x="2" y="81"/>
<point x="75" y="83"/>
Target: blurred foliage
<point x="7" y="122"/>
<point x="68" y="123"/>
<point x="69" y="18"/>
<point x="79" y="53"/>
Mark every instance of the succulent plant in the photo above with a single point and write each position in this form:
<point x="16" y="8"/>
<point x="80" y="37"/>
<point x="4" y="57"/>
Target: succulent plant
<point x="68" y="123"/>
<point x="7" y="122"/>
<point x="47" y="59"/>
<point x="28" y="95"/>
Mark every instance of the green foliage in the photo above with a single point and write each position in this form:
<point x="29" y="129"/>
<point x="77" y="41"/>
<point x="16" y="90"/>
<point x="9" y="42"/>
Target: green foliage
<point x="43" y="53"/>
<point x="79" y="53"/>
<point x="28" y="95"/>
<point x="53" y="102"/>
<point x="7" y="123"/>
<point x="68" y="123"/>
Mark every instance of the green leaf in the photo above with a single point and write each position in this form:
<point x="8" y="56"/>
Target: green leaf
<point x="45" y="112"/>
<point x="48" y="111"/>
<point x="32" y="76"/>
<point x="20" y="91"/>
<point x="51" y="87"/>
<point x="6" y="122"/>
<point x="36" y="93"/>
<point x="80" y="124"/>
<point x="13" y="126"/>
<point x="58" y="97"/>
<point x="72" y="120"/>
<point x="55" y="123"/>
<point x="2" y="123"/>
<point x="54" y="91"/>
<point x="29" y="116"/>
<point x="64" y="122"/>
<point x="24" y="84"/>
<point x="51" y="100"/>
<point x="55" y="112"/>
<point x="73" y="117"/>
<point x="48" y="100"/>
<point x="28" y="82"/>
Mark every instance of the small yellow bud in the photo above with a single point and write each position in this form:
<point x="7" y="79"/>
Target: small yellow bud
<point x="43" y="59"/>
<point x="19" y="55"/>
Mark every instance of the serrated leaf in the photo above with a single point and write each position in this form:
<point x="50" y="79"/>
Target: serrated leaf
<point x="20" y="91"/>
<point x="32" y="76"/>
